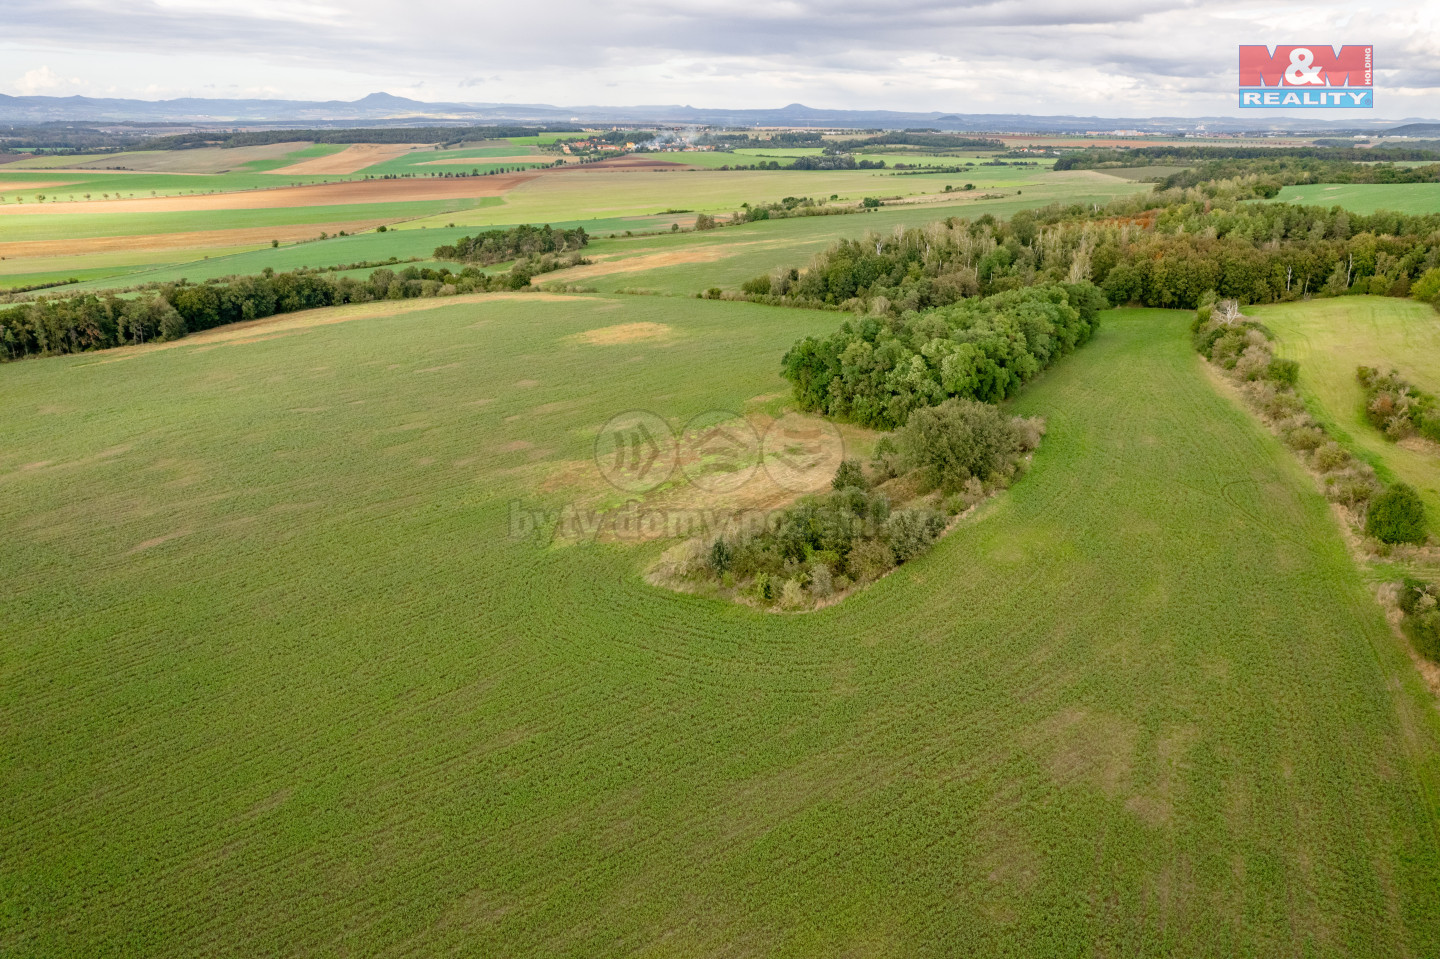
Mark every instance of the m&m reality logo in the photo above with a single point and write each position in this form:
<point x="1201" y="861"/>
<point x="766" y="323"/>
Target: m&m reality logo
<point x="1310" y="76"/>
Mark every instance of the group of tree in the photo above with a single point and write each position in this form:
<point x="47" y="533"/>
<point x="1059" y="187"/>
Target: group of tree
<point x="497" y="246"/>
<point x="1163" y="250"/>
<point x="1095" y="158"/>
<point x="877" y="370"/>
<point x="942" y="461"/>
<point x="95" y="322"/>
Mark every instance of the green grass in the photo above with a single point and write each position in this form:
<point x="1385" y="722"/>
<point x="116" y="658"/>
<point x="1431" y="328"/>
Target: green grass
<point x="66" y="226"/>
<point x="1330" y="338"/>
<point x="1367" y="197"/>
<point x="278" y="680"/>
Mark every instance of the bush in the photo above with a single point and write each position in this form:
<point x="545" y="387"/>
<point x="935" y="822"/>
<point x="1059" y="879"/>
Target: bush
<point x="869" y="560"/>
<point x="910" y="532"/>
<point x="1329" y="457"/>
<point x="821" y="583"/>
<point x="850" y="473"/>
<point x="792" y="595"/>
<point x="957" y="440"/>
<point x="1427" y="288"/>
<point x="1397" y="516"/>
<point x="1283" y="371"/>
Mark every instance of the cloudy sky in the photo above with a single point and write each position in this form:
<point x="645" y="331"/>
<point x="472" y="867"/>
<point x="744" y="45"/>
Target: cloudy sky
<point x="1123" y="58"/>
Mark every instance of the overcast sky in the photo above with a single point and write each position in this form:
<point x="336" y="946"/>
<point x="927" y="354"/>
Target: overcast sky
<point x="1126" y="58"/>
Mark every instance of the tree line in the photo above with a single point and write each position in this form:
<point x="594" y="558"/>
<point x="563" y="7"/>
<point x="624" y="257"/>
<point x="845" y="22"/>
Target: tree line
<point x="497" y="246"/>
<point x="1163" y="250"/>
<point x="77" y="324"/>
<point x="1093" y="158"/>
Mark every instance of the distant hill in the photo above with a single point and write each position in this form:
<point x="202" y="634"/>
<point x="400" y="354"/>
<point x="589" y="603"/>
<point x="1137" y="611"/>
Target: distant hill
<point x="388" y="109"/>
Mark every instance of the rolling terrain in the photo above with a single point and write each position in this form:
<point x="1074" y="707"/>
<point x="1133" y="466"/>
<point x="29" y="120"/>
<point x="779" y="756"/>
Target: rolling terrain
<point x="290" y="670"/>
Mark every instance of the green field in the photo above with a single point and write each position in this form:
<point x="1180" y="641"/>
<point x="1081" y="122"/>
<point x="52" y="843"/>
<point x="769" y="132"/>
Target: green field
<point x="1330" y="338"/>
<point x="280" y="679"/>
<point x="1367" y="197"/>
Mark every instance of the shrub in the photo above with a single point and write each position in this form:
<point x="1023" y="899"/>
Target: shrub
<point x="760" y="286"/>
<point x="792" y="594"/>
<point x="911" y="531"/>
<point x="1329" y="457"/>
<point x="1283" y="371"/>
<point x="821" y="583"/>
<point x="957" y="440"/>
<point x="1397" y="516"/>
<point x="850" y="473"/>
<point x="870" y="559"/>
<point x="722" y="554"/>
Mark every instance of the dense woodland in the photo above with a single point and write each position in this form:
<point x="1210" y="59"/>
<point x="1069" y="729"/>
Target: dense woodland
<point x="1164" y="250"/>
<point x="877" y="370"/>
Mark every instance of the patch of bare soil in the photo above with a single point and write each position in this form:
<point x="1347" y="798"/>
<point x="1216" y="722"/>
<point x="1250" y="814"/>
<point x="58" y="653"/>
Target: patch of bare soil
<point x="352" y="159"/>
<point x="197" y="240"/>
<point x="624" y="333"/>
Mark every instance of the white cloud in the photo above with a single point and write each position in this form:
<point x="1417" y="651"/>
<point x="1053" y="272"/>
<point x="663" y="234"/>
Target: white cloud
<point x="1121" y="58"/>
<point x="41" y="81"/>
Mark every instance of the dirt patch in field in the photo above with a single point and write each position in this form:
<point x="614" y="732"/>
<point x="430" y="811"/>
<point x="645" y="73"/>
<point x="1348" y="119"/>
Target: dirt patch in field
<point x="196" y="240"/>
<point x="624" y="333"/>
<point x="649" y="261"/>
<point x="10" y="186"/>
<point x="352" y="159"/>
<point x="318" y="194"/>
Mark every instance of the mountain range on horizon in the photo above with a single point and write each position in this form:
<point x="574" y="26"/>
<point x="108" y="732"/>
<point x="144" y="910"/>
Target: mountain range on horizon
<point x="393" y="110"/>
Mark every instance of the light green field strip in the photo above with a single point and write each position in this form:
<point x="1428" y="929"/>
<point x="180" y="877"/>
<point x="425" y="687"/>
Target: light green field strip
<point x="277" y="677"/>
<point x="575" y="196"/>
<point x="64" y="226"/>
<point x="1367" y="197"/>
<point x="1331" y="337"/>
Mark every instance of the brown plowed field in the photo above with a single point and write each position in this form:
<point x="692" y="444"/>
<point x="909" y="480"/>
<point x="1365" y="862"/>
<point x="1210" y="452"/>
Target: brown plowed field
<point x="319" y="194"/>
<point x="352" y="159"/>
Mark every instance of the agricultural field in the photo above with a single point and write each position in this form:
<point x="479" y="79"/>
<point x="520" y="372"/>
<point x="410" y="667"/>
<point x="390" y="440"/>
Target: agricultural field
<point x="1143" y="703"/>
<point x="1367" y="197"/>
<point x="1330" y="338"/>
<point x="218" y="217"/>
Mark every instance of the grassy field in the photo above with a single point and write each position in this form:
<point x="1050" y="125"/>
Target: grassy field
<point x="603" y="202"/>
<point x="280" y="679"/>
<point x="1367" y="197"/>
<point x="1330" y="338"/>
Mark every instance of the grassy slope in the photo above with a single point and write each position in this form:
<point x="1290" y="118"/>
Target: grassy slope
<point x="1367" y="197"/>
<point x="1145" y="705"/>
<point x="1332" y="337"/>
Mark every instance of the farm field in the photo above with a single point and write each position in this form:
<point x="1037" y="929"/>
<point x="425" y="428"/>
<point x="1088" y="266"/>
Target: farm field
<point x="1367" y="197"/>
<point x="1331" y="337"/>
<point x="1143" y="704"/>
<point x="600" y="199"/>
